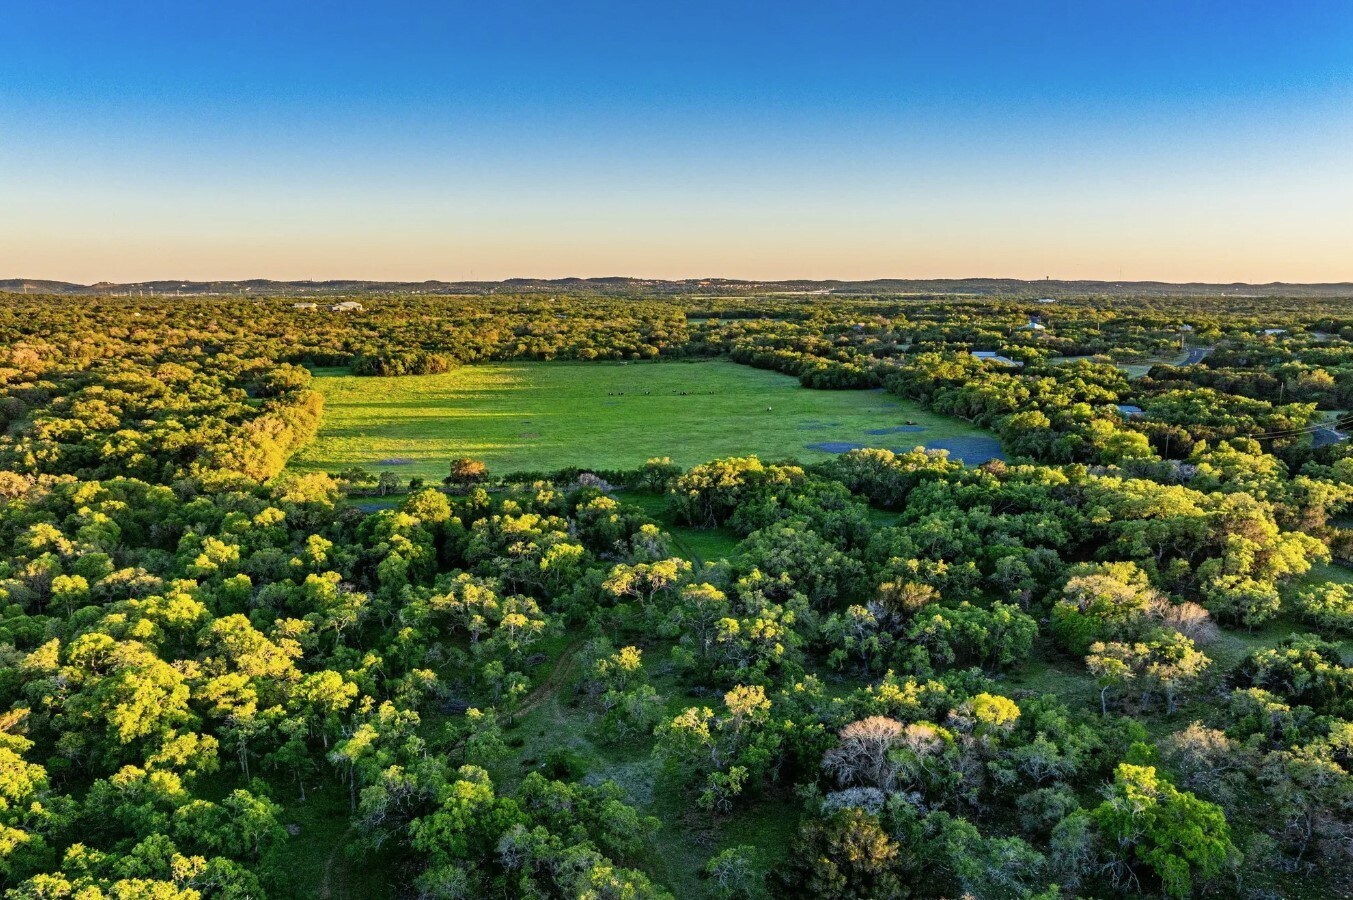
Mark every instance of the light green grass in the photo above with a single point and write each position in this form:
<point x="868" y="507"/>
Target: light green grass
<point x="698" y="545"/>
<point x="547" y="416"/>
<point x="1140" y="369"/>
<point x="1137" y="369"/>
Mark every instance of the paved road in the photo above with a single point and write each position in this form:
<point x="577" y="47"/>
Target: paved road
<point x="1323" y="436"/>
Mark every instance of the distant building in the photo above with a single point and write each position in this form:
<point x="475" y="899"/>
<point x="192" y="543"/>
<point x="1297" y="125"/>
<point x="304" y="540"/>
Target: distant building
<point x="1274" y="332"/>
<point x="1128" y="411"/>
<point x="305" y="306"/>
<point x="1034" y="325"/>
<point x="1185" y="327"/>
<point x="346" y="306"/>
<point x="1046" y="300"/>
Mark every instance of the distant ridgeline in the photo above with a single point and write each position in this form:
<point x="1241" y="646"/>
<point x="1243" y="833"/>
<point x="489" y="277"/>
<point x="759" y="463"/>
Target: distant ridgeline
<point x="652" y="287"/>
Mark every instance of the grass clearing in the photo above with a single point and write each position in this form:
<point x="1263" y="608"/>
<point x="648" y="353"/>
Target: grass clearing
<point x="1047" y="671"/>
<point x="698" y="545"/>
<point x="546" y="416"/>
<point x="689" y="836"/>
<point x="316" y="864"/>
<point x="1140" y="369"/>
<point x="1136" y="369"/>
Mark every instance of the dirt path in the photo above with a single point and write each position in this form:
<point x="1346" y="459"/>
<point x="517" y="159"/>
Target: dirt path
<point x="333" y="884"/>
<point x="687" y="550"/>
<point x="562" y="668"/>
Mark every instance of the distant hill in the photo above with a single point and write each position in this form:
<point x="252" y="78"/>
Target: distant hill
<point x="691" y="286"/>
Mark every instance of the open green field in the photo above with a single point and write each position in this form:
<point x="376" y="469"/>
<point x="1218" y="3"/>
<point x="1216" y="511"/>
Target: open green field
<point x="546" y="416"/>
<point x="1132" y="369"/>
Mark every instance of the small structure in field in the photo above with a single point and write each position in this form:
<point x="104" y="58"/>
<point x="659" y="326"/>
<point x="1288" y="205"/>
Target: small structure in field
<point x="346" y="306"/>
<point x="305" y="306"/>
<point x="1128" y="411"/>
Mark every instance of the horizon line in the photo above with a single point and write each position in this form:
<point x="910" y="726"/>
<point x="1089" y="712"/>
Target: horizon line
<point x="669" y="280"/>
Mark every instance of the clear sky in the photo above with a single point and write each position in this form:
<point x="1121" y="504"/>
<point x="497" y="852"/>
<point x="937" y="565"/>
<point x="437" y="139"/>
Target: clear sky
<point x="1156" y="139"/>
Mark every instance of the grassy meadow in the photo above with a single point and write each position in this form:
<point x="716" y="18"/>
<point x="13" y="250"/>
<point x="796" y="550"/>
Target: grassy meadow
<point x="545" y="416"/>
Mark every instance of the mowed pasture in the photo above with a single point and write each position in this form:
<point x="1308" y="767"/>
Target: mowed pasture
<point x="551" y="415"/>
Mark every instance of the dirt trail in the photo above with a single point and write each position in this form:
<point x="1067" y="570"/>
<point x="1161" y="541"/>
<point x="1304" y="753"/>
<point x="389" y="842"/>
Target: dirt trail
<point x="562" y="668"/>
<point x="687" y="550"/>
<point x="333" y="884"/>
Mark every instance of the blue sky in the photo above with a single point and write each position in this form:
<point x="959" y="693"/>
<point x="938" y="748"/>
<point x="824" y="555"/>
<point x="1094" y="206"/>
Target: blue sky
<point x="1182" y="141"/>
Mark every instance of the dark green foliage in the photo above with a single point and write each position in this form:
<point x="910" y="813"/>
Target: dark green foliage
<point x="496" y="687"/>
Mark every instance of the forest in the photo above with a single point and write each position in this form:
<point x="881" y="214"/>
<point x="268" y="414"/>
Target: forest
<point x="1115" y="663"/>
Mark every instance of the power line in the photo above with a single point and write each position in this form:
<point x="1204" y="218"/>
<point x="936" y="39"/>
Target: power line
<point x="1334" y="424"/>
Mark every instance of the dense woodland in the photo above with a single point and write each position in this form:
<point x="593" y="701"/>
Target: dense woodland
<point x="1111" y="666"/>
